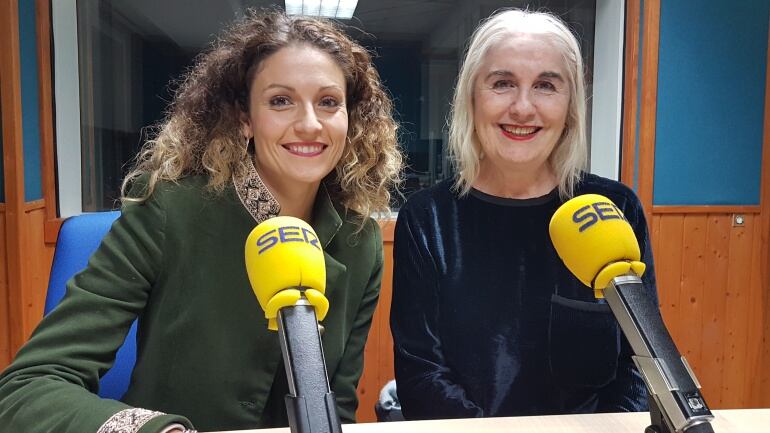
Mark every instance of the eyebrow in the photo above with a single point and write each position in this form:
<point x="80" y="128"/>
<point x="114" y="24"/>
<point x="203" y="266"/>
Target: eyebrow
<point x="506" y="73"/>
<point x="553" y="75"/>
<point x="280" y="86"/>
<point x="292" y="89"/>
<point x="498" y="73"/>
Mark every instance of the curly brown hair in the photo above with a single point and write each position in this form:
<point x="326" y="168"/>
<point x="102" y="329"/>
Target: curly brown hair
<point x="201" y="133"/>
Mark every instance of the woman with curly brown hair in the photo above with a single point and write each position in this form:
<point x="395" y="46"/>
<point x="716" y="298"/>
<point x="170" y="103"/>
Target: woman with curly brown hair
<point x="282" y="116"/>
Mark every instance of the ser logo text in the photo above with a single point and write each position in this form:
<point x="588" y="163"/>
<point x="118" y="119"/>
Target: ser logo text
<point x="286" y="234"/>
<point x="591" y="214"/>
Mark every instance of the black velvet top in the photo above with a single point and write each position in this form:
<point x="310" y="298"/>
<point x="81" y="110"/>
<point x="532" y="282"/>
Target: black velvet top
<point x="487" y="320"/>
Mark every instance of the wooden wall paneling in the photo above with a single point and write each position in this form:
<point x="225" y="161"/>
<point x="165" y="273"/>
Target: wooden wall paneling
<point x="47" y="153"/>
<point x="385" y="361"/>
<point x="757" y="376"/>
<point x="668" y="271"/>
<point x="710" y="368"/>
<point x="647" y="115"/>
<point x="704" y="209"/>
<point x="5" y="343"/>
<point x="630" y="97"/>
<point x="39" y="268"/>
<point x="690" y="312"/>
<point x="378" y="353"/>
<point x="654" y="229"/>
<point x="754" y="318"/>
<point x="736" y="304"/>
<point x="730" y="320"/>
<point x="764" y="395"/>
<point x="25" y="257"/>
<point x="764" y="265"/>
<point x="368" y="383"/>
<point x="13" y="165"/>
<point x="653" y="226"/>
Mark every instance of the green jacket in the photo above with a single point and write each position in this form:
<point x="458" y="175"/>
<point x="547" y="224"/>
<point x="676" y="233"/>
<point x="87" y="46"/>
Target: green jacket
<point x="204" y="351"/>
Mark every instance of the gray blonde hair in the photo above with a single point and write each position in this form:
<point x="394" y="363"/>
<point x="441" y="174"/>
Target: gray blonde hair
<point x="569" y="156"/>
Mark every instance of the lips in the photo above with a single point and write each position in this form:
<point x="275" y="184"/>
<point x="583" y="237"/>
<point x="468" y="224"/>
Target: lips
<point x="520" y="131"/>
<point x="517" y="132"/>
<point x="305" y="149"/>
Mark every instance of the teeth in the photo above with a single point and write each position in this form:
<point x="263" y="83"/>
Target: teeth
<point x="306" y="149"/>
<point x="519" y="130"/>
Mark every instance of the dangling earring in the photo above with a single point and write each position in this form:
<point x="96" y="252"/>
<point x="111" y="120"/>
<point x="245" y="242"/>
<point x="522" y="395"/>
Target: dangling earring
<point x="247" y="144"/>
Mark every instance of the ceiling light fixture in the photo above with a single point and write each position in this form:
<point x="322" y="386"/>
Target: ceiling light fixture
<point x="342" y="9"/>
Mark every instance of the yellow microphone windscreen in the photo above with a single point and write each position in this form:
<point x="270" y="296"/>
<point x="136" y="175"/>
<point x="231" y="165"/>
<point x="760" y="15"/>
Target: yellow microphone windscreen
<point x="282" y="253"/>
<point x="589" y="233"/>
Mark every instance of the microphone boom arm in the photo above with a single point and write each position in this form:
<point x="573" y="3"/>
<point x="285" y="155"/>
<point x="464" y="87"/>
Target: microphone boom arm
<point x="676" y="404"/>
<point x="310" y="404"/>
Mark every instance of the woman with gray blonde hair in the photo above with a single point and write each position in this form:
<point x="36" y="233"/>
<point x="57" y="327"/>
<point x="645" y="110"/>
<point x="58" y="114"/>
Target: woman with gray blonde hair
<point x="283" y="115"/>
<point x="486" y="319"/>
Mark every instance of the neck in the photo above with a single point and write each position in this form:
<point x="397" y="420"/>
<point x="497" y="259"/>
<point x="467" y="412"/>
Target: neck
<point x="518" y="183"/>
<point x="297" y="203"/>
<point x="295" y="200"/>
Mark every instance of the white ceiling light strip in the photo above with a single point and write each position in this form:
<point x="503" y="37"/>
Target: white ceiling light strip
<point x="341" y="9"/>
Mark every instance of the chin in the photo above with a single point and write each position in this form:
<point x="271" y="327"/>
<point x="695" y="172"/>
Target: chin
<point x="307" y="180"/>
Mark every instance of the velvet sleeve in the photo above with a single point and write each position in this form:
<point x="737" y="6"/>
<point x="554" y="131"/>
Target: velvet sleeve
<point x="51" y="384"/>
<point x="628" y="393"/>
<point x="426" y="387"/>
<point x="345" y="380"/>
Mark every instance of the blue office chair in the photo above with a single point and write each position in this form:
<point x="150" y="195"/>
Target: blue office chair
<point x="78" y="239"/>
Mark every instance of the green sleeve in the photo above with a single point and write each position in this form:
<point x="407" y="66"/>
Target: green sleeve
<point x="345" y="380"/>
<point x="51" y="385"/>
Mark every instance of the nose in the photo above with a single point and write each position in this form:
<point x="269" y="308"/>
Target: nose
<point x="522" y="106"/>
<point x="308" y="124"/>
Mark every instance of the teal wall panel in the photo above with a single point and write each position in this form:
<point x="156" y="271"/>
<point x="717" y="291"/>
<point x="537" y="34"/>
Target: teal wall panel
<point x="710" y="103"/>
<point x="30" y="101"/>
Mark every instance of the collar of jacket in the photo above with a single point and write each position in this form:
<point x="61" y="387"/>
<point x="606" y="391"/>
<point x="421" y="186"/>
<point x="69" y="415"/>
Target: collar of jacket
<point x="261" y="205"/>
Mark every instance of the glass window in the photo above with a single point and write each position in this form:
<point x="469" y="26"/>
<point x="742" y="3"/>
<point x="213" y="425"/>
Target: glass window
<point x="129" y="50"/>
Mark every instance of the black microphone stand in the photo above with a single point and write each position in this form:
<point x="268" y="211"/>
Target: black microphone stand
<point x="310" y="404"/>
<point x="676" y="404"/>
<point x="659" y="423"/>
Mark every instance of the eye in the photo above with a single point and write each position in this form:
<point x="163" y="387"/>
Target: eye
<point x="329" y="102"/>
<point x="545" y="86"/>
<point x="503" y="84"/>
<point x="279" y="101"/>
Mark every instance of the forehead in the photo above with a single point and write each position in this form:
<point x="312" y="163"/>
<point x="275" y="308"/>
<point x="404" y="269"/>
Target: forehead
<point x="297" y="64"/>
<point x="523" y="54"/>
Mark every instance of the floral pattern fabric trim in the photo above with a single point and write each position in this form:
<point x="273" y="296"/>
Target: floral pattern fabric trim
<point x="128" y="421"/>
<point x="255" y="196"/>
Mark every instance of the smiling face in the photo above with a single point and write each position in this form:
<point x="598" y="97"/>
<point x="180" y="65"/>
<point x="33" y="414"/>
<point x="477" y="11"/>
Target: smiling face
<point x="297" y="117"/>
<point x="520" y="104"/>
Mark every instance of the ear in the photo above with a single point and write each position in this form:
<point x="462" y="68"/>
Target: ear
<point x="246" y="125"/>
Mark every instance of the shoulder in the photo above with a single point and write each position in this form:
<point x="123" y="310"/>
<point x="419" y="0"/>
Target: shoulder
<point x="183" y="190"/>
<point x="163" y="189"/>
<point x="185" y="205"/>
<point x="419" y="216"/>
<point x="429" y="198"/>
<point x="370" y="233"/>
<point x="184" y="193"/>
<point x="620" y="194"/>
<point x="357" y="241"/>
<point x="623" y="196"/>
